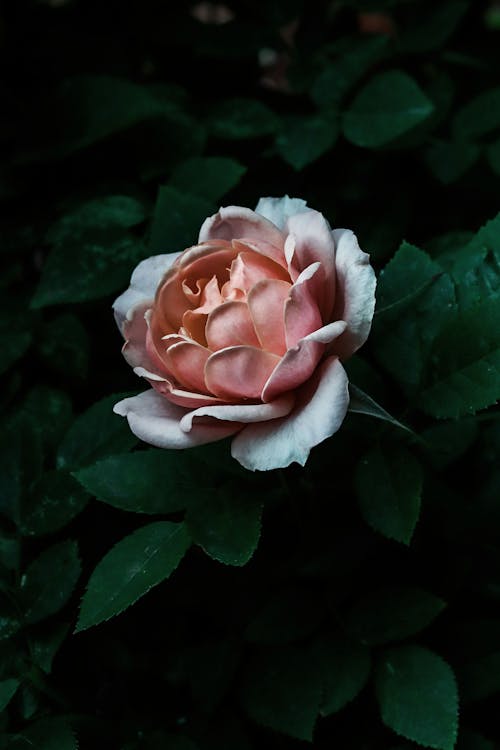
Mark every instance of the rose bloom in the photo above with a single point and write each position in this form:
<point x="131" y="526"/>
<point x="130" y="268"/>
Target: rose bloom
<point x="243" y="334"/>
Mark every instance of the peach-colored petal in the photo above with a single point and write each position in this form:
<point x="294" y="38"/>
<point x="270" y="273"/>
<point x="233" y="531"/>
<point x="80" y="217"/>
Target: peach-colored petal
<point x="239" y="372"/>
<point x="210" y="296"/>
<point x="230" y="324"/>
<point x="176" y="395"/>
<point x="157" y="421"/>
<point x="355" y="300"/>
<point x="170" y="305"/>
<point x="245" y="413"/>
<point x="314" y="242"/>
<point x="278" y="210"/>
<point x="262" y="248"/>
<point x="143" y="284"/>
<point x="301" y="308"/>
<point x="299" y="363"/>
<point x="186" y="361"/>
<point x="266" y="302"/>
<point x="193" y="323"/>
<point x="217" y="263"/>
<point x="248" y="268"/>
<point x="234" y="222"/>
<point x="199" y="251"/>
<point x="320" y="409"/>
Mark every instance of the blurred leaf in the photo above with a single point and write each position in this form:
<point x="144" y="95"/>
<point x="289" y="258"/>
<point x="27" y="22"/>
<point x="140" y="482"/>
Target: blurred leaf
<point x="388" y="106"/>
<point x="210" y="177"/>
<point x="226" y="523"/>
<point x="361" y="403"/>
<point x="177" y="220"/>
<point x="417" y="694"/>
<point x="49" y="581"/>
<point x="493" y="155"/>
<point x="479" y="116"/>
<point x="389" y="488"/>
<point x="16" y="331"/>
<point x="448" y="441"/>
<point x="479" y="678"/>
<point x="282" y="689"/>
<point x="122" y="211"/>
<point x="20" y="463"/>
<point x="9" y="618"/>
<point x="464" y="375"/>
<point x="130" y="569"/>
<point x="345" y="668"/>
<point x="236" y="119"/>
<point x="468" y="740"/>
<point x="433" y="27"/>
<point x="7" y="691"/>
<point x="10" y="551"/>
<point x="45" y="644"/>
<point x="304" y="139"/>
<point x="63" y="346"/>
<point x="49" y="412"/>
<point x="148" y="481"/>
<point x="290" y="615"/>
<point x="96" y="433"/>
<point x="49" y="733"/>
<point x="211" y="668"/>
<point x="53" y="501"/>
<point x="391" y="614"/>
<point x="448" y="161"/>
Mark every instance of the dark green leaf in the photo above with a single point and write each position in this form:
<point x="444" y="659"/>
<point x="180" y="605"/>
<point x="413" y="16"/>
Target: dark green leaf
<point x="211" y="668"/>
<point x="468" y="740"/>
<point x="417" y="694"/>
<point x="9" y="618"/>
<point x="434" y="26"/>
<point x="44" y="645"/>
<point x="282" y="689"/>
<point x="479" y="678"/>
<point x="20" y="463"/>
<point x="304" y="139"/>
<point x="389" y="487"/>
<point x="448" y="441"/>
<point x="493" y="154"/>
<point x="53" y="501"/>
<point x="237" y="119"/>
<point x="210" y="177"/>
<point x="388" y="106"/>
<point x="122" y="211"/>
<point x="130" y="569"/>
<point x="144" y="482"/>
<point x="49" y="581"/>
<point x="226" y="523"/>
<point x="96" y="433"/>
<point x="345" y="668"/>
<point x="478" y="117"/>
<point x="51" y="733"/>
<point x="290" y="615"/>
<point x="7" y="691"/>
<point x="63" y="346"/>
<point x="177" y="220"/>
<point x="361" y="403"/>
<point x="49" y="411"/>
<point x="392" y="614"/>
<point x="16" y="333"/>
<point x="448" y="161"/>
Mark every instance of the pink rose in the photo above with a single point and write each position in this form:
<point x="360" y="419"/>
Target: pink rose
<point x="243" y="334"/>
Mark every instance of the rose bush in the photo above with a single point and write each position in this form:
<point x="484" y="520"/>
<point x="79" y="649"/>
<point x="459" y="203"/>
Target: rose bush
<point x="244" y="333"/>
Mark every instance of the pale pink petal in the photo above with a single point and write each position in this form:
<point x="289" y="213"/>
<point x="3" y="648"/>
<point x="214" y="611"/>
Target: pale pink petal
<point x="143" y="284"/>
<point x="319" y="411"/>
<point x="301" y="308"/>
<point x="314" y="242"/>
<point x="235" y="222"/>
<point x="135" y="331"/>
<point x="245" y="413"/>
<point x="156" y="421"/>
<point x="230" y="324"/>
<point x="170" y="305"/>
<point x="355" y="300"/>
<point x="266" y="302"/>
<point x="262" y="248"/>
<point x="299" y="363"/>
<point x="239" y="372"/>
<point x="289" y="251"/>
<point x="175" y="394"/>
<point x="186" y="361"/>
<point x="278" y="210"/>
<point x="199" y="251"/>
<point x="248" y="268"/>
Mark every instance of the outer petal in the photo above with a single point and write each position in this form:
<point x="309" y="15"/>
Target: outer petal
<point x="313" y="243"/>
<point x="234" y="222"/>
<point x="135" y="331"/>
<point x="143" y="284"/>
<point x="157" y="421"/>
<point x="245" y="413"/>
<point x="302" y="315"/>
<point x="355" y="295"/>
<point x="321" y="407"/>
<point x="278" y="210"/>
<point x="174" y="393"/>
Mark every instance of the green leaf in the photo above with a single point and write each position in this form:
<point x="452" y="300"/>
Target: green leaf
<point x="417" y="694"/>
<point x="450" y="160"/>
<point x="7" y="691"/>
<point x="361" y="403"/>
<point x="96" y="433"/>
<point x="304" y="139"/>
<point x="53" y="501"/>
<point x="391" y="614"/>
<point x="210" y="177"/>
<point x="448" y="441"/>
<point x="464" y="375"/>
<point x="16" y="332"/>
<point x="63" y="346"/>
<point x="211" y="667"/>
<point x="49" y="581"/>
<point x="432" y="27"/>
<point x="20" y="463"/>
<point x="177" y="220"/>
<point x="290" y="615"/>
<point x="130" y="569"/>
<point x="479" y="116"/>
<point x="345" y="668"/>
<point x="479" y="678"/>
<point x="389" y="488"/>
<point x="9" y="618"/>
<point x="52" y="733"/>
<point x="45" y="644"/>
<point x="236" y="119"/>
<point x="388" y="106"/>
<point x="468" y="740"/>
<point x="226" y="523"/>
<point x="282" y="689"/>
<point x="50" y="412"/>
<point x="493" y="156"/>
<point x="144" y="482"/>
<point x="122" y="211"/>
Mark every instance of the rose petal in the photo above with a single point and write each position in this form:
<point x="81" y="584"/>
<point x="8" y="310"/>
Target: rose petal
<point x="248" y="268"/>
<point x="320" y="409"/>
<point x="266" y="302"/>
<point x="186" y="361"/>
<point x="230" y="324"/>
<point x="246" y="413"/>
<point x="262" y="248"/>
<point x="314" y="242"/>
<point x="157" y="421"/>
<point x="278" y="210"/>
<point x="135" y="331"/>
<point x="239" y="372"/>
<point x="301" y="309"/>
<point x="143" y="284"/>
<point x="299" y="363"/>
<point x="355" y="300"/>
<point x="234" y="222"/>
<point x="176" y="395"/>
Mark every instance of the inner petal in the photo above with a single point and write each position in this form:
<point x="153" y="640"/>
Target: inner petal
<point x="239" y="371"/>
<point x="230" y="324"/>
<point x="186" y="361"/>
<point x="266" y="302"/>
<point x="248" y="268"/>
